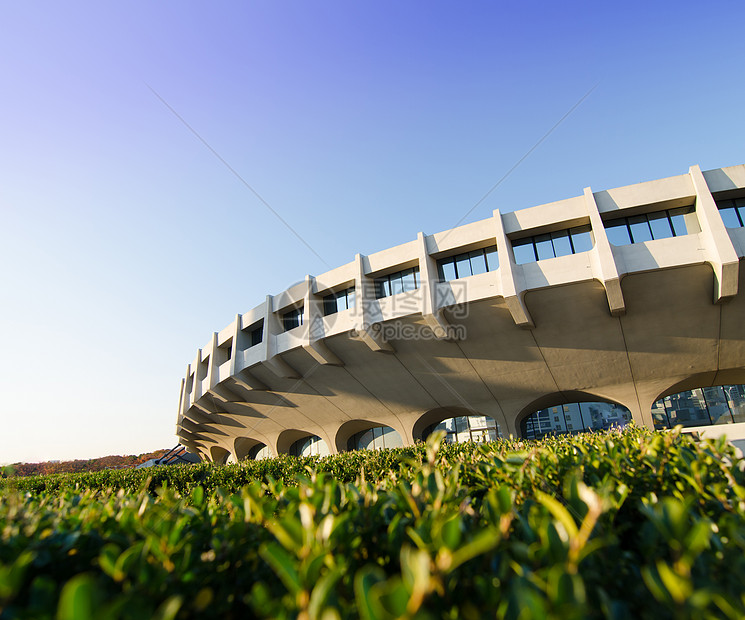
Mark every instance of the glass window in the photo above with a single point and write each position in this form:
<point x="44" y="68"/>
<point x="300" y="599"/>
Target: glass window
<point x="447" y="270"/>
<point x="678" y="220"/>
<point x="492" y="258"/>
<point x="618" y="232"/>
<point x="406" y="280"/>
<point x="524" y="251"/>
<point x="543" y="247"/>
<point x="581" y="239"/>
<point x="717" y="405"/>
<point x="574" y="417"/>
<point x="660" y="225"/>
<point x="730" y="217"/>
<point x="478" y="262"/>
<point x="562" y="245"/>
<point x="336" y="302"/>
<point x="463" y="266"/>
<point x="375" y="439"/>
<point x="292" y="319"/>
<point x="640" y="230"/>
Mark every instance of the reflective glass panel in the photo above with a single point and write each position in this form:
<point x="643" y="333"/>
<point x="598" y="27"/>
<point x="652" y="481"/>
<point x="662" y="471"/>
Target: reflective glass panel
<point x="462" y="265"/>
<point x="562" y="246"/>
<point x="492" y="258"/>
<point x="660" y="225"/>
<point x="639" y="228"/>
<point x="618" y="233"/>
<point x="730" y="217"/>
<point x="573" y="417"/>
<point x="383" y="288"/>
<point x="478" y="262"/>
<point x="543" y="247"/>
<point x="687" y="408"/>
<point x="350" y="298"/>
<point x="524" y="253"/>
<point x="677" y="217"/>
<point x="717" y="405"/>
<point x="659" y="415"/>
<point x="409" y="279"/>
<point x="736" y="398"/>
<point x="581" y="239"/>
<point x="447" y="270"/>
<point x="397" y="285"/>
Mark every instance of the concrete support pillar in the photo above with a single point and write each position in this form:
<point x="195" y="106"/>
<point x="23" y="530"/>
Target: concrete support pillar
<point x="720" y="251"/>
<point x="316" y="333"/>
<point x="604" y="266"/>
<point x="272" y="328"/>
<point x="513" y="286"/>
<point x="429" y="278"/>
<point x="364" y="296"/>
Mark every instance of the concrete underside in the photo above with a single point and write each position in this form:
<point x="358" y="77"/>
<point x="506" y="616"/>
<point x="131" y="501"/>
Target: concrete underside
<point x="671" y="338"/>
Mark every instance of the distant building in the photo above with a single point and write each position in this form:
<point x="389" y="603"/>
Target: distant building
<point x="586" y="313"/>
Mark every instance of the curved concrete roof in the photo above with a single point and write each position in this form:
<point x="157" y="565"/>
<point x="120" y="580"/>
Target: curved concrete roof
<point x="626" y="324"/>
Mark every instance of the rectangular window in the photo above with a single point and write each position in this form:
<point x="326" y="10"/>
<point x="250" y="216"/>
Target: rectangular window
<point x="337" y="302"/>
<point x="292" y="319"/>
<point x="648" y="227"/>
<point x="399" y="282"/>
<point x="254" y="333"/>
<point x="468" y="264"/>
<point x="732" y="212"/>
<point x="551" y="245"/>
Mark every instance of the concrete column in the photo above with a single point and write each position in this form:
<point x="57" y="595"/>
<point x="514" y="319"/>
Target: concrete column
<point x="313" y="308"/>
<point x="272" y="328"/>
<point x="429" y="278"/>
<point x="365" y="295"/>
<point x="513" y="288"/>
<point x="604" y="266"/>
<point x="720" y="251"/>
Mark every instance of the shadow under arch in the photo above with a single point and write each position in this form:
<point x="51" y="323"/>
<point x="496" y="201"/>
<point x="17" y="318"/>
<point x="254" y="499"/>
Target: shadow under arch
<point x="246" y="448"/>
<point x="351" y="427"/>
<point x="219" y="455"/>
<point x="556" y="399"/>
<point x="435" y="416"/>
<point x="289" y="436"/>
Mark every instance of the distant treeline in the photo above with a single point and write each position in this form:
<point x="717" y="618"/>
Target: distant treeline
<point x="78" y="465"/>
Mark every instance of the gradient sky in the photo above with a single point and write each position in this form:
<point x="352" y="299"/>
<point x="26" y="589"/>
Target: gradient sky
<point x="126" y="242"/>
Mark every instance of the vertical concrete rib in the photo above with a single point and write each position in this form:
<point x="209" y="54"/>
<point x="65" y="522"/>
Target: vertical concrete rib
<point x="604" y="266"/>
<point x="513" y="287"/>
<point x="364" y="296"/>
<point x="429" y="278"/>
<point x="720" y="251"/>
<point x="315" y="333"/>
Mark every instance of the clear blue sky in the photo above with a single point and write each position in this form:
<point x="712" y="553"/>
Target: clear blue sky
<point x="126" y="242"/>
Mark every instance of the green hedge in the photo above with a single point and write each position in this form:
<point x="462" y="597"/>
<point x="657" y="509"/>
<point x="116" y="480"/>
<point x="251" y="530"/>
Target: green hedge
<point x="630" y="524"/>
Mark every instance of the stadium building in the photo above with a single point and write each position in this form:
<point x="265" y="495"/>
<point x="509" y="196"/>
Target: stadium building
<point x="616" y="305"/>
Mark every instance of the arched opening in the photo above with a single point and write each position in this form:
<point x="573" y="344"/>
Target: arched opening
<point x="375" y="438"/>
<point x="247" y="448"/>
<point x="706" y="406"/>
<point x="301" y="443"/>
<point x="260" y="451"/>
<point x="312" y="445"/>
<point x="585" y="414"/>
<point x="460" y="425"/>
<point x="219" y="455"/>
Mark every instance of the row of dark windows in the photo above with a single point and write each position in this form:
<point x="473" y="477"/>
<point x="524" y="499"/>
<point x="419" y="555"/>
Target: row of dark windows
<point x="732" y="212"/>
<point x="468" y="264"/>
<point x="707" y="406"/>
<point x="648" y="227"/>
<point x="292" y="319"/>
<point x="551" y="245"/>
<point x="574" y="418"/>
<point x="336" y="302"/>
<point x="395" y="283"/>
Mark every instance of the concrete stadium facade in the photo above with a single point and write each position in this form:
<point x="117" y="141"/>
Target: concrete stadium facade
<point x="620" y="296"/>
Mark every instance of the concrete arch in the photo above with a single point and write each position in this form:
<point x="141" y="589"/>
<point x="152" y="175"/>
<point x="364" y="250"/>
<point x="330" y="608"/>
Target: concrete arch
<point x="289" y="436"/>
<point x="243" y="447"/>
<point x="556" y="399"/>
<point x="435" y="416"/>
<point x="733" y="376"/>
<point x="346" y="430"/>
<point x="219" y="455"/>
